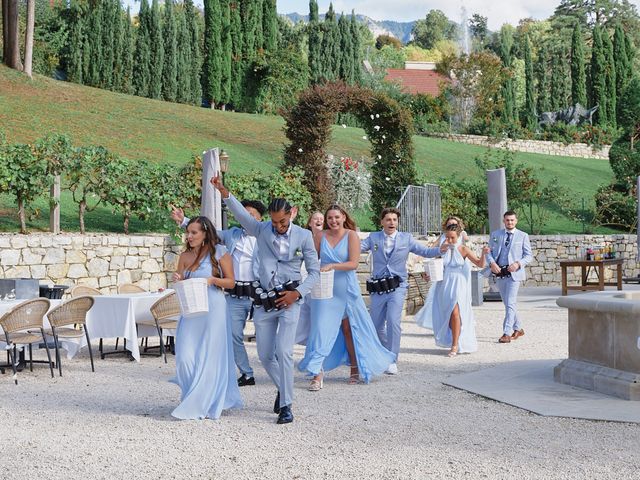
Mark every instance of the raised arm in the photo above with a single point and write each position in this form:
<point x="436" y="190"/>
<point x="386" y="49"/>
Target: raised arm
<point x="365" y="245"/>
<point x="423" y="251"/>
<point x="250" y="224"/>
<point x="471" y="255"/>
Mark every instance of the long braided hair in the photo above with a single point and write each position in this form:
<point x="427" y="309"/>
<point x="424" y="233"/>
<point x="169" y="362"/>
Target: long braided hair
<point x="211" y="239"/>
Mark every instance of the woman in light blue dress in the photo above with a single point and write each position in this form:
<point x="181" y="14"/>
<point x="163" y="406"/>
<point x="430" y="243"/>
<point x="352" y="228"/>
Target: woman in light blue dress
<point x="423" y="317"/>
<point x="450" y="310"/>
<point x="342" y="332"/>
<point x="205" y="370"/>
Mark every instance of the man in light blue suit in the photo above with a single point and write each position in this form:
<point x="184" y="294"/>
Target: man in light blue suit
<point x="390" y="250"/>
<point x="241" y="247"/>
<point x="283" y="247"/>
<point x="510" y="254"/>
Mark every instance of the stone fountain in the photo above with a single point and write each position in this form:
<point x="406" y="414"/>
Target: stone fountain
<point x="604" y="343"/>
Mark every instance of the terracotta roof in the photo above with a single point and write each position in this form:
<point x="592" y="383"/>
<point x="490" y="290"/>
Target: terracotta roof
<point x="417" y="81"/>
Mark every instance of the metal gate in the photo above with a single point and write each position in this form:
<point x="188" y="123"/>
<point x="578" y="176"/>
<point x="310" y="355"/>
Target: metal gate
<point x="420" y="209"/>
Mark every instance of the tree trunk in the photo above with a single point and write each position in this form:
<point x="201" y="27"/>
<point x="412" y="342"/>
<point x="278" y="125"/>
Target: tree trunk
<point x="126" y="224"/>
<point x="12" y="59"/>
<point x="28" y="37"/>
<point x="81" y="209"/>
<point x="5" y="29"/>
<point x="54" y="205"/>
<point x="22" y="215"/>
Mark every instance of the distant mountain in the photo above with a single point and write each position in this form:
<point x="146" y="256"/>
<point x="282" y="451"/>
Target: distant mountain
<point x="400" y="30"/>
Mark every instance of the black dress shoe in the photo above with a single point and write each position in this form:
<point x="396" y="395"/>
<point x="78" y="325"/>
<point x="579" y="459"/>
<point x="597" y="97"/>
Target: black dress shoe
<point x="286" y="416"/>
<point x="276" y="404"/>
<point x="243" y="381"/>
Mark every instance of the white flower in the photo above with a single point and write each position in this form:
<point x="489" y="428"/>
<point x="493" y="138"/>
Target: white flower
<point x="379" y="157"/>
<point x="344" y="126"/>
<point x="364" y="137"/>
<point x="377" y="128"/>
<point x="387" y="178"/>
<point x="300" y="150"/>
<point x="372" y="116"/>
<point x="384" y="136"/>
<point x="377" y="115"/>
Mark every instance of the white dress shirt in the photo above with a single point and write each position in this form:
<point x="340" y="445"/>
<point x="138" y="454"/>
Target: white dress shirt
<point x="389" y="243"/>
<point x="243" y="258"/>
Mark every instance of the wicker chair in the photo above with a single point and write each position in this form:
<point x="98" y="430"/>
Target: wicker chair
<point x="166" y="312"/>
<point x="82" y="290"/>
<point x="16" y="324"/>
<point x="417" y="292"/>
<point x="130" y="288"/>
<point x="74" y="313"/>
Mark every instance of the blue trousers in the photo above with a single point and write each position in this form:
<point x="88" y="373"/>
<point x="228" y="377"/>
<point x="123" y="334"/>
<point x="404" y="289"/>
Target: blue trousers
<point x="275" y="336"/>
<point x="509" y="294"/>
<point x="239" y="309"/>
<point x="386" y="313"/>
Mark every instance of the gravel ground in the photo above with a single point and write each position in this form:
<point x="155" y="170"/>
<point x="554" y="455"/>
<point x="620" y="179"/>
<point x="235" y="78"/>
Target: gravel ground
<point x="116" y="423"/>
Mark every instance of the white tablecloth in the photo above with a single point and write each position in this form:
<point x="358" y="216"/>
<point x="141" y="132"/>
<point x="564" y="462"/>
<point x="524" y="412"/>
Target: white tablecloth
<point x="115" y="316"/>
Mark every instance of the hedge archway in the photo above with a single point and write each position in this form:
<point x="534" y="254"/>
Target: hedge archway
<point x="388" y="127"/>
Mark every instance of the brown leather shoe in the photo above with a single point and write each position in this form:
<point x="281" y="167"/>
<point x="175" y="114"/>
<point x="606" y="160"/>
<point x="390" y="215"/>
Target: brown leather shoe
<point x="504" y="339"/>
<point x="517" y="334"/>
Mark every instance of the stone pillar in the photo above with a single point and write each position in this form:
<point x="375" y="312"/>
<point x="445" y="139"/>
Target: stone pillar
<point x="211" y="206"/>
<point x="497" y="197"/>
<point x="54" y="206"/>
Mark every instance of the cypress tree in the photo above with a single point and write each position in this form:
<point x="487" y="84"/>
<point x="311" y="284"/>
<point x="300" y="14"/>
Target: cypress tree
<point x="236" y="54"/>
<point x="225" y="58"/>
<point x="212" y="68"/>
<point x="249" y="18"/>
<point x="508" y="88"/>
<point x="622" y="63"/>
<point x="631" y="53"/>
<point x="542" y="72"/>
<point x="76" y="44"/>
<point x="156" y="44"/>
<point x="346" y="50"/>
<point x="258" y="12"/>
<point x="315" y="43"/>
<point x="356" y="42"/>
<point x="94" y="45"/>
<point x="183" y="62"/>
<point x="598" y="78"/>
<point x="142" y="56"/>
<point x="578" y="74"/>
<point x="560" y="86"/>
<point x="610" y="78"/>
<point x="109" y="10"/>
<point x="191" y="19"/>
<point x="170" y="68"/>
<point x="529" y="119"/>
<point x="126" y="58"/>
<point x="330" y="46"/>
<point x="269" y="25"/>
<point x="118" y="39"/>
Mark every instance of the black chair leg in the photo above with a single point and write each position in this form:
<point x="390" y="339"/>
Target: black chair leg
<point x="163" y="352"/>
<point x="100" y="346"/>
<point x="86" y="333"/>
<point x="117" y="340"/>
<point x="46" y="347"/>
<point x="12" y="358"/>
<point x="55" y="342"/>
<point x="31" y="357"/>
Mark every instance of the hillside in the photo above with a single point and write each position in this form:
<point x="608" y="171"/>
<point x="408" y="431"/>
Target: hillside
<point x="164" y="132"/>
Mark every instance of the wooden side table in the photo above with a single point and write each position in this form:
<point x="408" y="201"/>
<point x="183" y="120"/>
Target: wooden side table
<point x="587" y="266"/>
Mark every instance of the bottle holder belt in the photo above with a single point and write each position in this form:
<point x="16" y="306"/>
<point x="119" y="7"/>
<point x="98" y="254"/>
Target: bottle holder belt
<point x="383" y="285"/>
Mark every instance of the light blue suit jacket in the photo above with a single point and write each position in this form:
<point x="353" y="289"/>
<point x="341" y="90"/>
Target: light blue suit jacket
<point x="519" y="251"/>
<point x="301" y="247"/>
<point x="396" y="262"/>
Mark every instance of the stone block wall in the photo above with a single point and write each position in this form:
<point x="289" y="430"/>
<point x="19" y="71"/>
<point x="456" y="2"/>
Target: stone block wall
<point x="105" y="261"/>
<point x="582" y="150"/>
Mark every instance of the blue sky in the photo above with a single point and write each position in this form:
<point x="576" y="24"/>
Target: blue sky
<point x="497" y="11"/>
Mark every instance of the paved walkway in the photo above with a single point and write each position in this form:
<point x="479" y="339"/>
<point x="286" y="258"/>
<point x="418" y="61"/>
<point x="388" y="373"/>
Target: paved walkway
<point x="115" y="423"/>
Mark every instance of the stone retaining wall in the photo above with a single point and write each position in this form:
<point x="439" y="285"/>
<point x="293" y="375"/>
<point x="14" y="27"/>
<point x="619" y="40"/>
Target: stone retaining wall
<point x="532" y="146"/>
<point x="104" y="261"/>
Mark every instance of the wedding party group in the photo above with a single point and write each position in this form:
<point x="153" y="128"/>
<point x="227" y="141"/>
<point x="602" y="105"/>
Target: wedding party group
<point x="266" y="270"/>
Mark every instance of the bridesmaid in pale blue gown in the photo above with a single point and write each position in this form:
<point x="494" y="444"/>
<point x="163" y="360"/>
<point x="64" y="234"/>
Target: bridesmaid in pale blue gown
<point x="205" y="370"/>
<point x="423" y="317"/>
<point x="342" y="332"/>
<point x="450" y="310"/>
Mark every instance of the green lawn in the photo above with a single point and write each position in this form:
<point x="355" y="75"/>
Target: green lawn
<point x="164" y="132"/>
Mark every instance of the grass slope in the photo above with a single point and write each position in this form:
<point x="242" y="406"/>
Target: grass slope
<point x="166" y="132"/>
